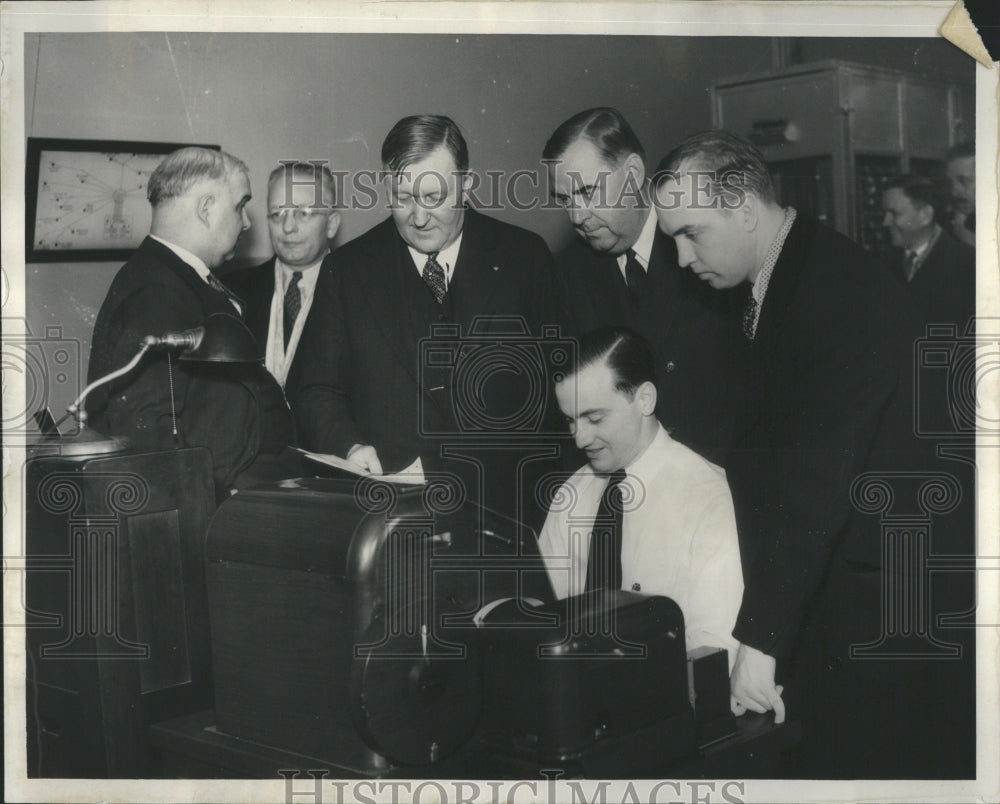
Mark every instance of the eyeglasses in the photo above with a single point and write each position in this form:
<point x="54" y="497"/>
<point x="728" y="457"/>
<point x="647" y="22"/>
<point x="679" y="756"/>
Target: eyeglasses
<point x="299" y="214"/>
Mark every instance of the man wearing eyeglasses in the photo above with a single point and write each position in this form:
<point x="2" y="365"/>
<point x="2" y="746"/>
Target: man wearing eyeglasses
<point x="301" y="220"/>
<point x="433" y="265"/>
<point x="623" y="272"/>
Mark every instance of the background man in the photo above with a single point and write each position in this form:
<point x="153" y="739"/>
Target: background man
<point x="301" y="220"/>
<point x="961" y="172"/>
<point x="199" y="199"/>
<point x="829" y="399"/>
<point x="676" y="531"/>
<point x="939" y="270"/>
<point x="623" y="272"/>
<point x="434" y="262"/>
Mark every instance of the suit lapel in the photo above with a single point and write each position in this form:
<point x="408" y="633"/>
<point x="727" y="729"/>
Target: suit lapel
<point x="212" y="301"/>
<point x="661" y="307"/>
<point x="259" y="308"/>
<point x="479" y="272"/>
<point x="784" y="279"/>
<point x="767" y="342"/>
<point x="385" y="294"/>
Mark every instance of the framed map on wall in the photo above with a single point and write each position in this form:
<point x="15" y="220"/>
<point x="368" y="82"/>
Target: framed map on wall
<point x="86" y="199"/>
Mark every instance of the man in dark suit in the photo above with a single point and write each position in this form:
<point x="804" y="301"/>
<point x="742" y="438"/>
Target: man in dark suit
<point x="623" y="272"/>
<point x="829" y="398"/>
<point x="369" y="389"/>
<point x="939" y="270"/>
<point x="302" y="220"/>
<point x="199" y="199"/>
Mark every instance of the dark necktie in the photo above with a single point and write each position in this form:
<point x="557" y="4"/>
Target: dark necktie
<point x="604" y="561"/>
<point x="910" y="265"/>
<point x="293" y="303"/>
<point x="214" y="282"/>
<point x="433" y="275"/>
<point x="749" y="315"/>
<point x="635" y="278"/>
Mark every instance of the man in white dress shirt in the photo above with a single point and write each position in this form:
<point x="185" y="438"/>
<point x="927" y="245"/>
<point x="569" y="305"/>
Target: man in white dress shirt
<point x="302" y="220"/>
<point x="678" y="528"/>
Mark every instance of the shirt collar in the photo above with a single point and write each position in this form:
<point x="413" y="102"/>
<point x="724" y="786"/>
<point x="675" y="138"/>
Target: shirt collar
<point x="309" y="272"/>
<point x="770" y="260"/>
<point x="643" y="246"/>
<point x="193" y="260"/>
<point x="928" y="244"/>
<point x="645" y="465"/>
<point x="446" y="258"/>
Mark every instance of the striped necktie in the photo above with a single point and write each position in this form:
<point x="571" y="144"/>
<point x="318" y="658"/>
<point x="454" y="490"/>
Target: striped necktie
<point x="293" y="304"/>
<point x="216" y="284"/>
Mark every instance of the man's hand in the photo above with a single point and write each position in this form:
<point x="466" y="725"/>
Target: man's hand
<point x="752" y="684"/>
<point x="364" y="455"/>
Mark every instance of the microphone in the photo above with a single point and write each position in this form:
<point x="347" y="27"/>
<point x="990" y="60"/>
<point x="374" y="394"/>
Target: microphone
<point x="186" y="339"/>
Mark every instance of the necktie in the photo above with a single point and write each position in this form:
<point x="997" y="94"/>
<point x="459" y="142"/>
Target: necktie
<point x="604" y="561"/>
<point x="433" y="275"/>
<point x="293" y="303"/>
<point x="635" y="278"/>
<point x="910" y="264"/>
<point x="214" y="282"/>
<point x="749" y="317"/>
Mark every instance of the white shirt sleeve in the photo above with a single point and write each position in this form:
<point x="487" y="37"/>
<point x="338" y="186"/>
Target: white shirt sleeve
<point x="715" y="590"/>
<point x="553" y="544"/>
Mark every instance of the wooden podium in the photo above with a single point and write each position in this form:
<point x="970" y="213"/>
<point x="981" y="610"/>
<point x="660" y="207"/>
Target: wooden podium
<point x="117" y="623"/>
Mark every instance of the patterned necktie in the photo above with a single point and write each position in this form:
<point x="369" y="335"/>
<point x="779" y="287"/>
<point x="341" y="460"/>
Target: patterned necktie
<point x="433" y="275"/>
<point x="214" y="282"/>
<point x="749" y="317"/>
<point x="293" y="303"/>
<point x="604" y="561"/>
<point x="635" y="278"/>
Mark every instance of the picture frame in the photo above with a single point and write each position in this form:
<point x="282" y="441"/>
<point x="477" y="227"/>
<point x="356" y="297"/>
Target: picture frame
<point x="85" y="200"/>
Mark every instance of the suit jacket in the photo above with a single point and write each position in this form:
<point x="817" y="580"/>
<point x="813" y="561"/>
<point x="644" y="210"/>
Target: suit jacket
<point x="236" y="411"/>
<point x="944" y="287"/>
<point x="365" y="378"/>
<point x="255" y="286"/>
<point x="828" y="397"/>
<point x="694" y="332"/>
<point x="831" y="399"/>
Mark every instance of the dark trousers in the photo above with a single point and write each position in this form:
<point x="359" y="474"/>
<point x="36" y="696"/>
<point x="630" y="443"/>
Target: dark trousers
<point x="866" y="715"/>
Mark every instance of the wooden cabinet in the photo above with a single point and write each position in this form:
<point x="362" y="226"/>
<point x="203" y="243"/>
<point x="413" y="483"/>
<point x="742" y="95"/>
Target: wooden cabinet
<point x="117" y="635"/>
<point x="835" y="132"/>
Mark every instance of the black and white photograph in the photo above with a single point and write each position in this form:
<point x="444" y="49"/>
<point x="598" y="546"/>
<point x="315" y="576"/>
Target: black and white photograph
<point x="499" y="402"/>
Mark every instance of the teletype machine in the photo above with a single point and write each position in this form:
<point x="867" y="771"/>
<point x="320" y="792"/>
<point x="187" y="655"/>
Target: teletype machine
<point x="382" y="630"/>
<point x="366" y="628"/>
<point x="369" y="629"/>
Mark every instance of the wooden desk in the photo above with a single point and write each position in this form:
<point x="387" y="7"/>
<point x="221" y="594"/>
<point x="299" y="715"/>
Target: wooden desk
<point x="192" y="748"/>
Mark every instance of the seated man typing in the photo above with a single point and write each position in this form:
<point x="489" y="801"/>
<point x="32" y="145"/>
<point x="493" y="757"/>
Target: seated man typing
<point x="662" y="515"/>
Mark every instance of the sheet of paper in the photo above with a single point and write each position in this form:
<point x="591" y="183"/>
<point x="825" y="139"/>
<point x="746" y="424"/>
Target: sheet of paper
<point x="412" y="475"/>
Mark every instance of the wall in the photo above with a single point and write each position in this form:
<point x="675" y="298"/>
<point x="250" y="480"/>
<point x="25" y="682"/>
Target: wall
<point x="266" y="97"/>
